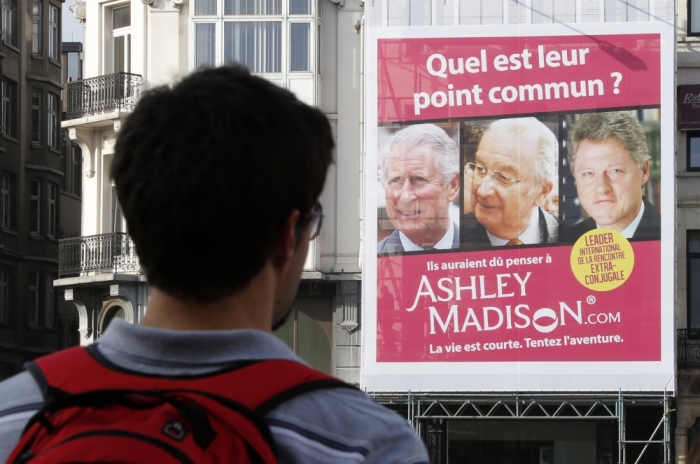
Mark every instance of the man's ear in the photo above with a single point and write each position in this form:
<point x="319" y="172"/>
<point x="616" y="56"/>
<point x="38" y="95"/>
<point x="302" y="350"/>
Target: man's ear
<point x="454" y="188"/>
<point x="645" y="172"/>
<point x="544" y="193"/>
<point x="286" y="241"/>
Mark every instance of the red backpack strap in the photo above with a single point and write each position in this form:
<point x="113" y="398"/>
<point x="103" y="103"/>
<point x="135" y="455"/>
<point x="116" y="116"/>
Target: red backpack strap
<point x="258" y="385"/>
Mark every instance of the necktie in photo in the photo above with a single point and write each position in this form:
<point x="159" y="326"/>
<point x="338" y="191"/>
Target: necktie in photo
<point x="515" y="241"/>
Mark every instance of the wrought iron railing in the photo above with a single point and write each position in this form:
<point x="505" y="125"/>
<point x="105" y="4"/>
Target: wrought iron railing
<point x="118" y="91"/>
<point x="113" y="252"/>
<point x="688" y="348"/>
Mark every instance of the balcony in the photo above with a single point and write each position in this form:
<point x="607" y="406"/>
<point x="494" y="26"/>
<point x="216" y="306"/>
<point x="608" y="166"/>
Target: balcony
<point x="94" y="254"/>
<point x="688" y="348"/>
<point x="111" y="92"/>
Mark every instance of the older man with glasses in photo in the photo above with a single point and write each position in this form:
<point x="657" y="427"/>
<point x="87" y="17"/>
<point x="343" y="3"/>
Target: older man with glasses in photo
<point x="512" y="174"/>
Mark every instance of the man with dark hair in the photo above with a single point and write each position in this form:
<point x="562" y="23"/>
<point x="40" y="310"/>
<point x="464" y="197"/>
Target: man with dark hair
<point x="219" y="179"/>
<point x="609" y="158"/>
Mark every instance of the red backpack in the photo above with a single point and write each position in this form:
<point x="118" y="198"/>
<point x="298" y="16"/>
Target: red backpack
<point x="95" y="411"/>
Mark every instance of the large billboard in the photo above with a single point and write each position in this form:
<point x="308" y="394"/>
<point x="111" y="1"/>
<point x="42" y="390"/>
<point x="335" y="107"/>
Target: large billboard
<point x="519" y="205"/>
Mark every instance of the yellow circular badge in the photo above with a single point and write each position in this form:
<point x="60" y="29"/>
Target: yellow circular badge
<point x="602" y="259"/>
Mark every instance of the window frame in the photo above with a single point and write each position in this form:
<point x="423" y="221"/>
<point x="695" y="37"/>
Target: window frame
<point x="53" y="120"/>
<point x="8" y="110"/>
<point x="689" y="31"/>
<point x="76" y="181"/>
<point x="7" y="196"/>
<point x="37" y="26"/>
<point x="9" y="22"/>
<point x="54" y="30"/>
<point x="120" y="32"/>
<point x="35" y="207"/>
<point x="36" y="126"/>
<point x="52" y="210"/>
<point x="50" y="302"/>
<point x="285" y="18"/>
<point x="688" y="136"/>
<point x="33" y="298"/>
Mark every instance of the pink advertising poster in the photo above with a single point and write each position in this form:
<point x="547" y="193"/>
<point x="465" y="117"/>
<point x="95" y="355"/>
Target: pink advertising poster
<point x="520" y="209"/>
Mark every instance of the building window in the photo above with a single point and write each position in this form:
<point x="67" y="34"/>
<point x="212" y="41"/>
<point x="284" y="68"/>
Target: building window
<point x="36" y="115"/>
<point x="54" y="39"/>
<point x="53" y="210"/>
<point x="480" y="12"/>
<point x="35" y="207"/>
<point x="50" y="302"/>
<point x="9" y="22"/>
<point x="76" y="171"/>
<point x="53" y="121"/>
<point x="64" y="164"/>
<point x="121" y="39"/>
<point x="4" y="294"/>
<point x="693" y="17"/>
<point x="7" y="201"/>
<point x="272" y="36"/>
<point x="36" y="27"/>
<point x="9" y="107"/>
<point x="693" y="272"/>
<point x="410" y="12"/>
<point x="693" y="150"/>
<point x="622" y="11"/>
<point x="33" y="299"/>
<point x="553" y="11"/>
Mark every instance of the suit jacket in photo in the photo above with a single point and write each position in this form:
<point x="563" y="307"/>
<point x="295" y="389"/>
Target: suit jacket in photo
<point x="392" y="244"/>
<point x="474" y="235"/>
<point x="649" y="227"/>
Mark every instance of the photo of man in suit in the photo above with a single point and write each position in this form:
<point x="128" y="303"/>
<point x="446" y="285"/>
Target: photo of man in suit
<point x="420" y="176"/>
<point x="609" y="158"/>
<point x="512" y="175"/>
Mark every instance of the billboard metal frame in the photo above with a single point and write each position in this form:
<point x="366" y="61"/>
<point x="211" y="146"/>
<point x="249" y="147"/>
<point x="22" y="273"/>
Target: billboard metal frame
<point x="449" y="406"/>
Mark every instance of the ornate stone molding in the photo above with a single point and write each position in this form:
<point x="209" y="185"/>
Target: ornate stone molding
<point x="81" y="137"/>
<point x="349" y="301"/>
<point x="79" y="10"/>
<point x="86" y="331"/>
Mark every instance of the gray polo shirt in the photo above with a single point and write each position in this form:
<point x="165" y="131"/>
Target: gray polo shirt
<point x="326" y="426"/>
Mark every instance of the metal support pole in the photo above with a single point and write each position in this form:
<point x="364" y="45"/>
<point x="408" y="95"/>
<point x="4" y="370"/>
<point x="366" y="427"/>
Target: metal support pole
<point x="620" y="409"/>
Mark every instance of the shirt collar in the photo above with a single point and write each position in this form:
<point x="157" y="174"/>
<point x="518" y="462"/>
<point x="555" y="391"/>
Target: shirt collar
<point x="528" y="236"/>
<point x="445" y="243"/>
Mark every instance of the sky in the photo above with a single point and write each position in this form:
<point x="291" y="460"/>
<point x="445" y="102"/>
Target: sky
<point x="72" y="29"/>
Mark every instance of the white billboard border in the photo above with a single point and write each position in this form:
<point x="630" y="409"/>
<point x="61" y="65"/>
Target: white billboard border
<point x="598" y="376"/>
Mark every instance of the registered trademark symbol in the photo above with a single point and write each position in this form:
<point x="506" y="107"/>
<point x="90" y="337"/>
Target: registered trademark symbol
<point x="590" y="299"/>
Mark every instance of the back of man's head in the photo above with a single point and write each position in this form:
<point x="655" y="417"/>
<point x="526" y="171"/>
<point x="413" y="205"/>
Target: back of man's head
<point x="208" y="171"/>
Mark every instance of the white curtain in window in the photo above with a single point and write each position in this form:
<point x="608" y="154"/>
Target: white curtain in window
<point x="542" y="11"/>
<point x="299" y="46"/>
<point x="256" y="44"/>
<point x="491" y="12"/>
<point x="205" y="44"/>
<point x="205" y="7"/>
<point x="615" y="11"/>
<point x="409" y="12"/>
<point x="299" y="7"/>
<point x="252" y="7"/>
<point x="637" y="10"/>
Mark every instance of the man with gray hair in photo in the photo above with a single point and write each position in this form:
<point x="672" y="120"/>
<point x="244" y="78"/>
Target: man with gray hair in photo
<point x="609" y="158"/>
<point x="421" y="180"/>
<point x="512" y="174"/>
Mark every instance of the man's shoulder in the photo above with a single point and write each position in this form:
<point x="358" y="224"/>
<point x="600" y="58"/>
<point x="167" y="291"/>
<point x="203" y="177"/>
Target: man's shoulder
<point x="391" y="244"/>
<point x="341" y="424"/>
<point x="20" y="398"/>
<point x="570" y="234"/>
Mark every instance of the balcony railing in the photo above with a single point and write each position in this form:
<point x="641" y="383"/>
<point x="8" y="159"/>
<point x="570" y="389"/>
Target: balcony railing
<point x="688" y="346"/>
<point x="113" y="252"/>
<point x="118" y="91"/>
